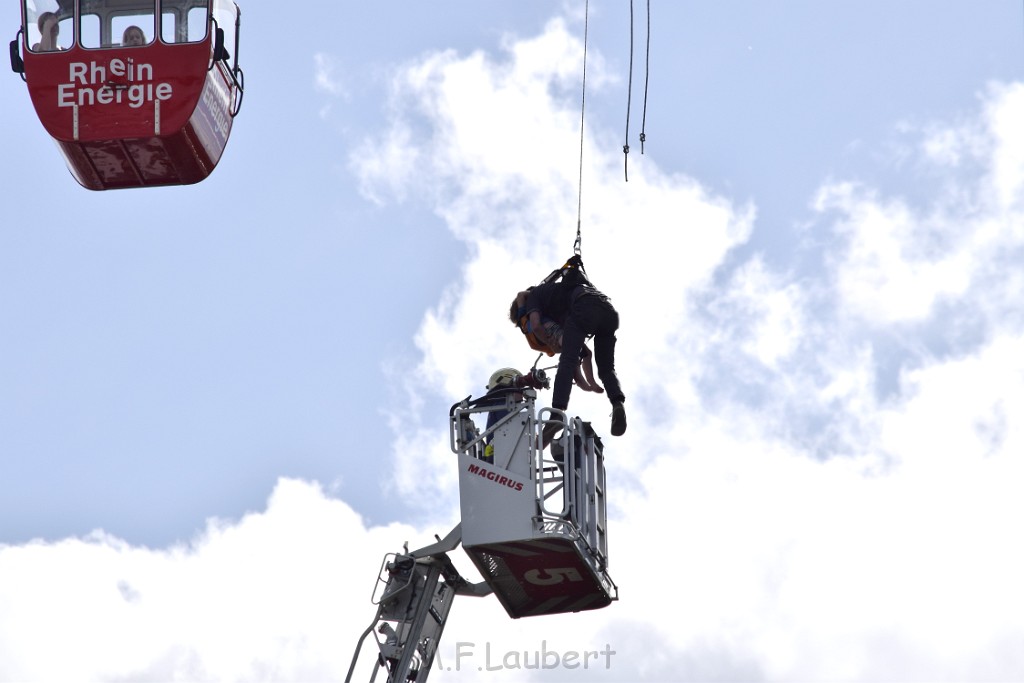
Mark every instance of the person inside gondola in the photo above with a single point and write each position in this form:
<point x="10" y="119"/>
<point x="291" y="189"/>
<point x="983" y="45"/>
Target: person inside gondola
<point x="133" y="37"/>
<point x="49" y="29"/>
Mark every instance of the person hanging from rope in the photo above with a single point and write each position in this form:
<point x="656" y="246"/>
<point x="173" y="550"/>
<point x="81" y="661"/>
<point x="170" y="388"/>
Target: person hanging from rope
<point x="573" y="302"/>
<point x="584" y="373"/>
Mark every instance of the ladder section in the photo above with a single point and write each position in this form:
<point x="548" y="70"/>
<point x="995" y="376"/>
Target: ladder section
<point x="414" y="594"/>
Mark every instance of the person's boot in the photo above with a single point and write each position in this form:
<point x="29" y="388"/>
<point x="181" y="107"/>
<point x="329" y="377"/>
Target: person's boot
<point x="618" y="419"/>
<point x="549" y="432"/>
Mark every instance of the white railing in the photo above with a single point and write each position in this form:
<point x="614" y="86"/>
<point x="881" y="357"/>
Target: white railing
<point x="570" y="489"/>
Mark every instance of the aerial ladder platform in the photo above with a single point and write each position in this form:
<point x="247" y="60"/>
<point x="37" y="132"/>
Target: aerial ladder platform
<point x="534" y="514"/>
<point x="534" y="523"/>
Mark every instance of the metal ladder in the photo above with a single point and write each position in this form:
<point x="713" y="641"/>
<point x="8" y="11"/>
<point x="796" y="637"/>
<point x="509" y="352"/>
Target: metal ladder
<point x="416" y="591"/>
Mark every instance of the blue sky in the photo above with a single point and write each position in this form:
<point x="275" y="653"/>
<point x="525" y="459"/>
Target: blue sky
<point x="221" y="404"/>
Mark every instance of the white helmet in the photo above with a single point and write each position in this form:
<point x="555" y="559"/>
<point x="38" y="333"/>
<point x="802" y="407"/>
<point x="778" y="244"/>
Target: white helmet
<point x="504" y="377"/>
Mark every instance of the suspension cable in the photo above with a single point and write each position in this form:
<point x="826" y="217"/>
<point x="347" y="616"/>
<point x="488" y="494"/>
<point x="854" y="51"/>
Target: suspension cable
<point x="647" y="78"/>
<point x="629" y="96"/>
<point x="578" y="244"/>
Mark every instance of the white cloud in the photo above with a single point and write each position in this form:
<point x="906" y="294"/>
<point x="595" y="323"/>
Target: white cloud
<point x="897" y="265"/>
<point x="327" y="81"/>
<point x="325" y="75"/>
<point x="769" y="310"/>
<point x="901" y="264"/>
<point x="277" y="595"/>
<point x="1004" y="106"/>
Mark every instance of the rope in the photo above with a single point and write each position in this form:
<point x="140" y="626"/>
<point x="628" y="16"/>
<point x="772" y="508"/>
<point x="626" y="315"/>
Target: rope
<point x="578" y="244"/>
<point x="647" y="78"/>
<point x="629" y="96"/>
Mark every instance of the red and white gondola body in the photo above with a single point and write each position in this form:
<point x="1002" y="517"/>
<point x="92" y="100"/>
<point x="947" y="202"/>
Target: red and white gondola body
<point x="148" y="115"/>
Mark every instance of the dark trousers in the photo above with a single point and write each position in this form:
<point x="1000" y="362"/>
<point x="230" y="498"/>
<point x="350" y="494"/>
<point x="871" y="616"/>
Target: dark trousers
<point x="588" y="315"/>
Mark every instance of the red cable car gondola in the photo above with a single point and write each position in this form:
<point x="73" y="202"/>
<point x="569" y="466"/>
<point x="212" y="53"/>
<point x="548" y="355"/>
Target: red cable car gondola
<point x="135" y="93"/>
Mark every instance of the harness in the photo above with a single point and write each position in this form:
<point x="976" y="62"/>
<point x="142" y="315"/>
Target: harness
<point x="571" y="274"/>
